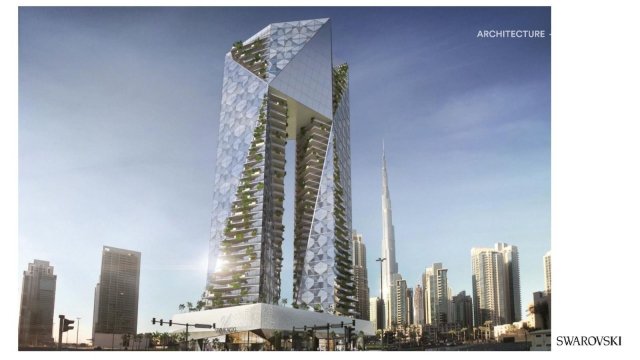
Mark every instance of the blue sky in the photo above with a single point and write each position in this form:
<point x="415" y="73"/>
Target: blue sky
<point x="118" y="121"/>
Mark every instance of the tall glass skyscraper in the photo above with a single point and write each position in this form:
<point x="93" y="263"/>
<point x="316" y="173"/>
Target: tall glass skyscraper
<point x="279" y="85"/>
<point x="361" y="278"/>
<point x="115" y="307"/>
<point x="436" y="297"/>
<point x="36" y="304"/>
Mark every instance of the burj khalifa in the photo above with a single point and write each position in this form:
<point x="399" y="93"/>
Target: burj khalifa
<point x="389" y="266"/>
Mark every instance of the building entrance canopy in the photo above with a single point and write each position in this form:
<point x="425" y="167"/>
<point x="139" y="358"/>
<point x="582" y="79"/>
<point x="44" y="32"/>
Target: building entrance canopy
<point x="263" y="319"/>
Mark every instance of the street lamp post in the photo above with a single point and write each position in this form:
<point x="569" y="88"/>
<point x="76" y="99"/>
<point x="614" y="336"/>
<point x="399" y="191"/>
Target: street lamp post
<point x="381" y="260"/>
<point x="77" y="332"/>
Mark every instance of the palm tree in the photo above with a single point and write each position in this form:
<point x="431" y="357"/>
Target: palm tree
<point x="155" y="338"/>
<point x="189" y="306"/>
<point x="137" y="340"/>
<point x="125" y="340"/>
<point x="452" y="334"/>
<point x="165" y="339"/>
<point x="464" y="334"/>
<point x="182" y="336"/>
<point x="330" y="338"/>
<point x="487" y="325"/>
<point x="360" y="341"/>
<point x="277" y="339"/>
<point x="284" y="302"/>
<point x="205" y="343"/>
<point x="181" y="307"/>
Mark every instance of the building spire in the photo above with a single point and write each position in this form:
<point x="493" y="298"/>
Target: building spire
<point x="390" y="266"/>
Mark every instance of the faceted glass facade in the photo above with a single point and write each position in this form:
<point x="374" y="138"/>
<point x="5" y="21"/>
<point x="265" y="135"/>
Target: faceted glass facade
<point x="281" y="85"/>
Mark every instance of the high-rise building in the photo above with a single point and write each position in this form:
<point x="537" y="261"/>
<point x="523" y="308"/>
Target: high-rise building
<point x="436" y="295"/>
<point x="37" y="304"/>
<point x="488" y="282"/>
<point x="115" y="309"/>
<point x="398" y="301"/>
<point x="463" y="310"/>
<point x="512" y="277"/>
<point x="540" y="310"/>
<point x="281" y="84"/>
<point x="418" y="305"/>
<point x="376" y="312"/>
<point x="390" y="266"/>
<point x="547" y="271"/>
<point x="360" y="275"/>
<point x="496" y="284"/>
<point x="409" y="306"/>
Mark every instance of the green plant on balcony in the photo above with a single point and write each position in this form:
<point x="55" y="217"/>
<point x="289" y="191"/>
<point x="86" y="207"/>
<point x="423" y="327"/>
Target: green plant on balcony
<point x="237" y="45"/>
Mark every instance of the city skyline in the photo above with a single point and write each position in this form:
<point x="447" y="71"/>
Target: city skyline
<point x="171" y="198"/>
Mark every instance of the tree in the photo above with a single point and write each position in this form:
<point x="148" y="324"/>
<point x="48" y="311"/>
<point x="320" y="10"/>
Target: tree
<point x="464" y="333"/>
<point x="360" y="344"/>
<point x="487" y="325"/>
<point x="284" y="302"/>
<point x="277" y="340"/>
<point x="125" y="340"/>
<point x="541" y="308"/>
<point x="182" y="337"/>
<point x="181" y="307"/>
<point x="137" y="340"/>
<point x="155" y="337"/>
<point x="189" y="306"/>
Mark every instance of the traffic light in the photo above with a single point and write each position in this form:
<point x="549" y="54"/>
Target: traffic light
<point x="153" y="321"/>
<point x="353" y="322"/>
<point x="66" y="325"/>
<point x="170" y="322"/>
<point x="161" y="322"/>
